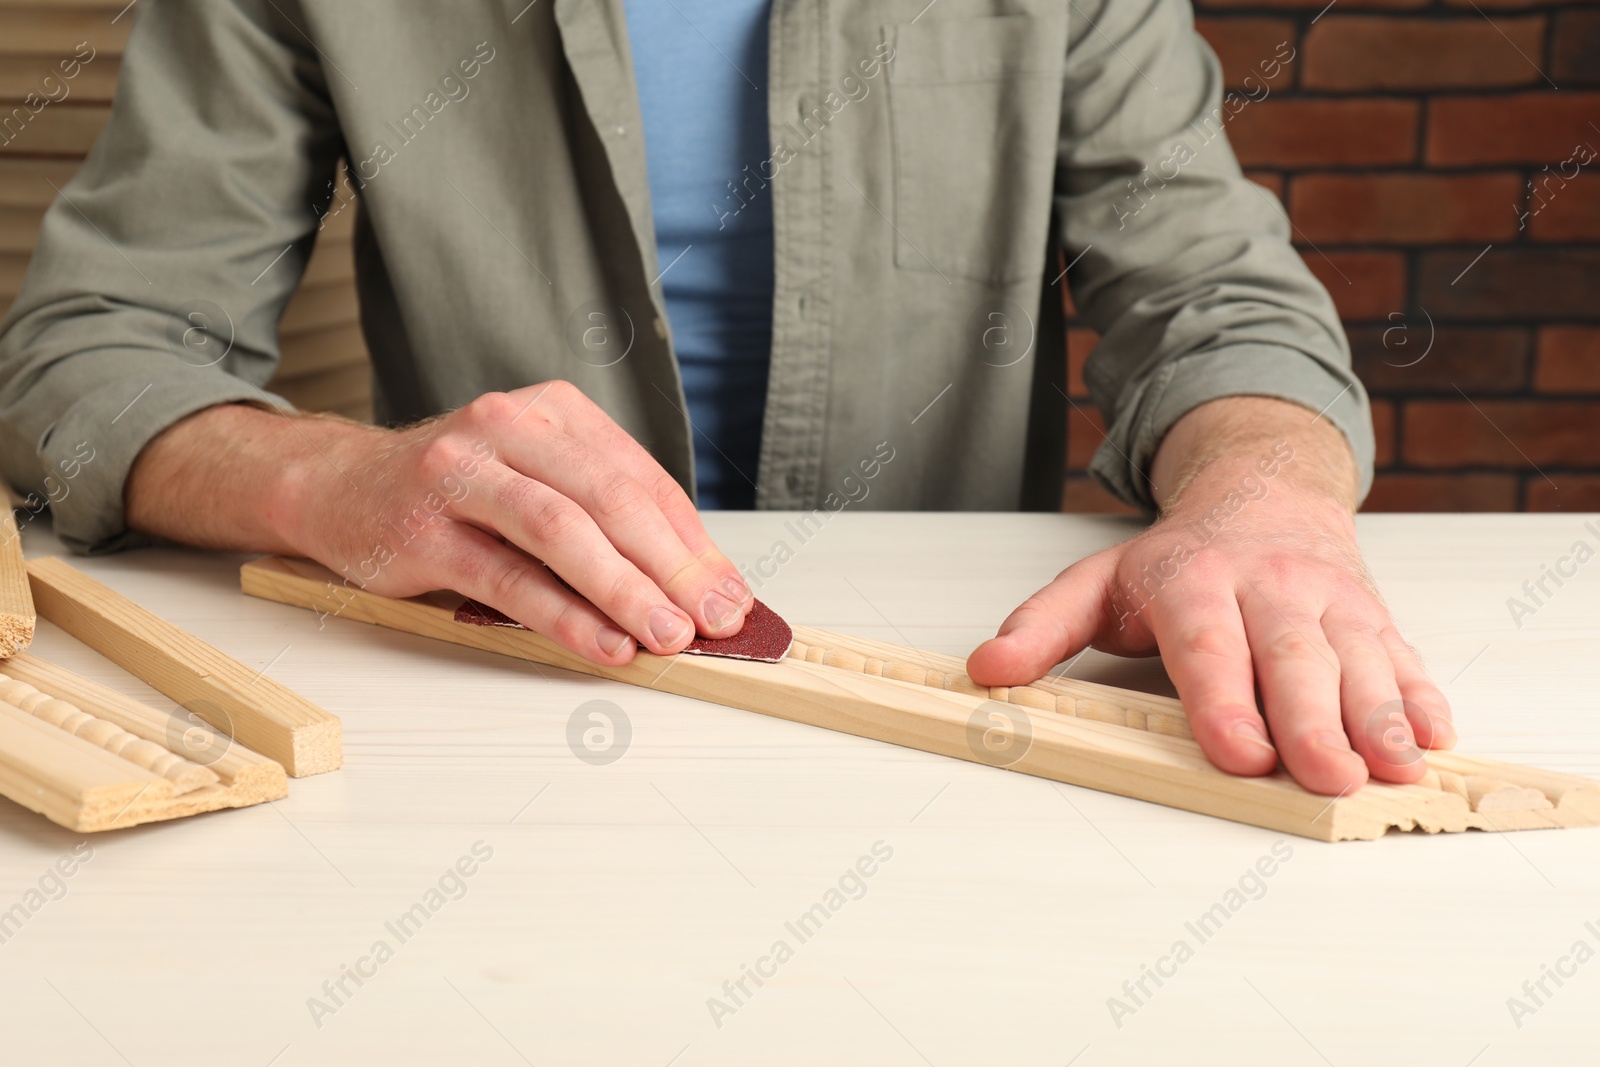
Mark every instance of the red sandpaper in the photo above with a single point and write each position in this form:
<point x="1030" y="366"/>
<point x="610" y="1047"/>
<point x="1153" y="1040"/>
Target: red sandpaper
<point x="765" y="636"/>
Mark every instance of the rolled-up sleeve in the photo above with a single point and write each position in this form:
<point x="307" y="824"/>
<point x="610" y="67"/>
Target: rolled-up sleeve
<point x="163" y="267"/>
<point x="1183" y="266"/>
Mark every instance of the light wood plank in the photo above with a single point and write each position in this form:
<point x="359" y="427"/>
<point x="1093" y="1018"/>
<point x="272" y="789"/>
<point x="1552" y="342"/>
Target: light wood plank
<point x="157" y="759"/>
<point x="23" y="74"/>
<point x="53" y="33"/>
<point x="319" y="308"/>
<point x="1075" y="749"/>
<point x="32" y="183"/>
<point x="17" y="618"/>
<point x="66" y="779"/>
<point x="179" y="731"/>
<point x="67" y="129"/>
<point x="253" y="709"/>
<point x="332" y="390"/>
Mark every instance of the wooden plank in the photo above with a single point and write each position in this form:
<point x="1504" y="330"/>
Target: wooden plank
<point x="19" y="228"/>
<point x="179" y="731"/>
<point x="16" y="600"/>
<point x="52" y="34"/>
<point x="954" y="721"/>
<point x="332" y="261"/>
<point x="20" y="75"/>
<point x="331" y="390"/>
<point x="32" y="183"/>
<point x="322" y="351"/>
<point x="253" y="709"/>
<point x="184" y="775"/>
<point x="57" y="130"/>
<point x="67" y="779"/>
<point x="76" y="771"/>
<point x="319" y="308"/>
<point x="1065" y="696"/>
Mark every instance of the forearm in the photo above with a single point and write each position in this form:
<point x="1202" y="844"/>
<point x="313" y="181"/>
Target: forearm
<point x="231" y="476"/>
<point x="1207" y="453"/>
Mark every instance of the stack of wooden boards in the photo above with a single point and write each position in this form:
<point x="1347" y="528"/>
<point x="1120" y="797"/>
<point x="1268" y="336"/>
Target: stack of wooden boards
<point x="1082" y="733"/>
<point x="324" y="364"/>
<point x="90" y="759"/>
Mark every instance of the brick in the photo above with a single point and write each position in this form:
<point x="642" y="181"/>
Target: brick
<point x="1325" y="133"/>
<point x="1511" y="283"/>
<point x="1248" y="47"/>
<point x="1569" y="360"/>
<point x="1083" y="495"/>
<point x="1307" y="5"/>
<point x="1508" y="5"/>
<point x="1080" y="343"/>
<point x="1562" y="210"/>
<point x="1383" y="422"/>
<point x="1442" y="492"/>
<point x="1575" y="47"/>
<point x="1405" y="209"/>
<point x="1536" y="127"/>
<point x="1271" y="181"/>
<point x="1364" y="285"/>
<point x="1366" y="53"/>
<point x="1564" y="492"/>
<point x="1513" y="434"/>
<point x="1390" y="359"/>
<point x="1086" y="432"/>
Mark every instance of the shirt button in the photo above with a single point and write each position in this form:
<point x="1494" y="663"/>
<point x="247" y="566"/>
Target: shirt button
<point x="792" y="480"/>
<point x="621" y="131"/>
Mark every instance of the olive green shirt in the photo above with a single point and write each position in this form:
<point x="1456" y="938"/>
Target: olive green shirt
<point x="935" y="167"/>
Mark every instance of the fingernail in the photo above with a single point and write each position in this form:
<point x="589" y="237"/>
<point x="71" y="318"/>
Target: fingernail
<point x="718" y="609"/>
<point x="1336" y="743"/>
<point x="736" y="590"/>
<point x="611" y="640"/>
<point x="1252" y="732"/>
<point x="1444" y="732"/>
<point x="665" y="627"/>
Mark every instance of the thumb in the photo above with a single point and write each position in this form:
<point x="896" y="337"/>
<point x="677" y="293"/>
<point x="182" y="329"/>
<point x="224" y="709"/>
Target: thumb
<point x="1057" y="622"/>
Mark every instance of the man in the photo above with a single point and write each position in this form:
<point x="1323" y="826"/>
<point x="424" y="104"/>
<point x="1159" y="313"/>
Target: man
<point x="853" y="216"/>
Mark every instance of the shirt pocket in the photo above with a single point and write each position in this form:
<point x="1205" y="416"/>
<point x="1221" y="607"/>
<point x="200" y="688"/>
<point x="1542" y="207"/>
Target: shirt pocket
<point x="975" y="107"/>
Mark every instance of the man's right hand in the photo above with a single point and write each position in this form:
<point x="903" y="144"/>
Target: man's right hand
<point x="503" y="500"/>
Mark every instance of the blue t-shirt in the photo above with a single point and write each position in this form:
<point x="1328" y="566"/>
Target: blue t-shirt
<point x="701" y="68"/>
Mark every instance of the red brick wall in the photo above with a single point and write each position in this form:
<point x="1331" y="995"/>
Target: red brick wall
<point x="1425" y="150"/>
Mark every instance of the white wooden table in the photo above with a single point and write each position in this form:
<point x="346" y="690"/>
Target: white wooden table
<point x="622" y="895"/>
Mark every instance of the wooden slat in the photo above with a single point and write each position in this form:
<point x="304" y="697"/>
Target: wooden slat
<point x="185" y="775"/>
<point x="321" y="351"/>
<point x="16" y="601"/>
<point x="21" y="75"/>
<point x="52" y="31"/>
<point x="1099" y="755"/>
<point x="177" y="731"/>
<point x="19" y="229"/>
<point x="13" y="267"/>
<point x="68" y="780"/>
<point x="28" y="182"/>
<point x="336" y="389"/>
<point x="318" y="308"/>
<point x="83" y="770"/>
<point x="253" y="709"/>
<point x="333" y="261"/>
<point x="66" y="129"/>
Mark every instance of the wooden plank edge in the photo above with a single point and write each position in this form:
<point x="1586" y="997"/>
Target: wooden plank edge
<point x="1158" y="768"/>
<point x="256" y="711"/>
<point x="17" y="615"/>
<point x="234" y="763"/>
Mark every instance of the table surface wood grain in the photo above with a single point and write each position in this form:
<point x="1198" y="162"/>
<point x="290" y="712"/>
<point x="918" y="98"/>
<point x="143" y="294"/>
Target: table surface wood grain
<point x="623" y="900"/>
